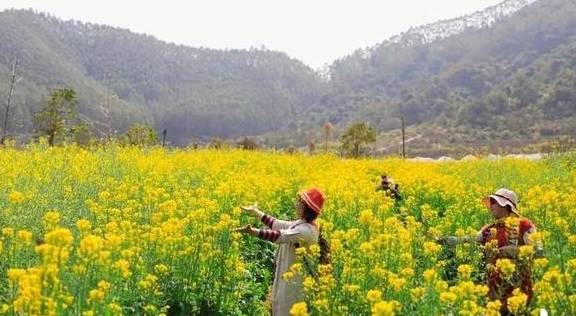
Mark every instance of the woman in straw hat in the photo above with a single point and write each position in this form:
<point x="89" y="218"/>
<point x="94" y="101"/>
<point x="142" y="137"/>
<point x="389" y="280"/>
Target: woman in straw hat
<point x="289" y="235"/>
<point x="502" y="240"/>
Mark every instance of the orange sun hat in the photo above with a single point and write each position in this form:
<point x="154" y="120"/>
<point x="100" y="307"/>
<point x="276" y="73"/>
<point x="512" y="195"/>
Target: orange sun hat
<point x="314" y="198"/>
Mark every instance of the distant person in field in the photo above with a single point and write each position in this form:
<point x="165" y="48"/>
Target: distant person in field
<point x="290" y="235"/>
<point x="502" y="240"/>
<point x="390" y="188"/>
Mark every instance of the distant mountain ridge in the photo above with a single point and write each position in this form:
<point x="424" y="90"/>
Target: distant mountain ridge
<point x="477" y="20"/>
<point x="193" y="92"/>
<point x="511" y="79"/>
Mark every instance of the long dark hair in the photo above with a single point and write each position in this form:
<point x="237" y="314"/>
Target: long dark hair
<point x="310" y="216"/>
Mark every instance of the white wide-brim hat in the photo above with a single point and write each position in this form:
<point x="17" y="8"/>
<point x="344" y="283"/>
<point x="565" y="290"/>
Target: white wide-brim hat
<point x="503" y="197"/>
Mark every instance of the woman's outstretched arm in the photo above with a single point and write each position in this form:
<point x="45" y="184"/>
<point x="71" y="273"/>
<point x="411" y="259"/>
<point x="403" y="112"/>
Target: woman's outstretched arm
<point x="271" y="222"/>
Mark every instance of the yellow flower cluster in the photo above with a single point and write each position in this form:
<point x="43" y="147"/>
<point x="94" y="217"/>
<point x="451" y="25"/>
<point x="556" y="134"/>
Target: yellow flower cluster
<point x="517" y="303"/>
<point x="299" y="309"/>
<point x="385" y="308"/>
<point x="506" y="267"/>
<point x="465" y="271"/>
<point x="16" y="197"/>
<point x="97" y="295"/>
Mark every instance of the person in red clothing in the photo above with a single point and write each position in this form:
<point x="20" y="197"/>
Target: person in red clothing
<point x="502" y="240"/>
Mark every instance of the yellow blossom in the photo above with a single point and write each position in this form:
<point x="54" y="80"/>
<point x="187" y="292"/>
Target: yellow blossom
<point x="7" y="232"/>
<point x="309" y="284"/>
<point x="430" y="275"/>
<point x="431" y="248"/>
<point x="296" y="268"/>
<point x="448" y="297"/>
<point x="299" y="309"/>
<point x="124" y="267"/>
<point x="288" y="276"/>
<point x="162" y="269"/>
<point x="465" y="271"/>
<point x="525" y="252"/>
<point x="506" y="267"/>
<point x="385" y="308"/>
<point x="83" y="225"/>
<point x="59" y="237"/>
<point x="24" y="235"/>
<point x="115" y="309"/>
<point x="16" y="197"/>
<point x="493" y="308"/>
<point x="51" y="219"/>
<point x="374" y="296"/>
<point x="417" y="293"/>
<point x="15" y="274"/>
<point x="96" y="295"/>
<point x="517" y="303"/>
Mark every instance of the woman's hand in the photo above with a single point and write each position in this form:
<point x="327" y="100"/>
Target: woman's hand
<point x="246" y="230"/>
<point x="447" y="241"/>
<point x="251" y="210"/>
<point x="510" y="251"/>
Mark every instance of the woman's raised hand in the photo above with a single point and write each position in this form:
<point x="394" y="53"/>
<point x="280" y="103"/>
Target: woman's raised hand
<point x="251" y="210"/>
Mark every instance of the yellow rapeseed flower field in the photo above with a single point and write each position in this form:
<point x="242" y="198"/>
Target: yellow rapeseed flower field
<point x="123" y="231"/>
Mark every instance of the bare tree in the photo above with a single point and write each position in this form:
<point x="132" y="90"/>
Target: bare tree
<point x="248" y="144"/>
<point x="13" y="82"/>
<point x="108" y="111"/>
<point x="311" y="147"/>
<point x="328" y="129"/>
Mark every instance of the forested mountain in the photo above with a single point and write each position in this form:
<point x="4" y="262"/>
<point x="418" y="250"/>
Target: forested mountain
<point x="489" y="75"/>
<point x="507" y="72"/>
<point x="194" y="92"/>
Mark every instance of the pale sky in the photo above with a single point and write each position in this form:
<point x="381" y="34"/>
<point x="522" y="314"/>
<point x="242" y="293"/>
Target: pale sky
<point x="314" y="31"/>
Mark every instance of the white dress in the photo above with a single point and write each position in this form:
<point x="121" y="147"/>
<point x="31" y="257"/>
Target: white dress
<point x="285" y="294"/>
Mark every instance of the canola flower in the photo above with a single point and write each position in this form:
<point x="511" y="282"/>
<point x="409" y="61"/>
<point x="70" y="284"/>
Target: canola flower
<point x="517" y="303"/>
<point x="506" y="267"/>
<point x="16" y="197"/>
<point x="299" y="309"/>
<point x="117" y="231"/>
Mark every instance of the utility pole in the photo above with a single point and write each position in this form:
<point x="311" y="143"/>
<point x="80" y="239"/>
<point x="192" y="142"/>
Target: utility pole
<point x="8" y="103"/>
<point x="403" y="138"/>
<point x="164" y="137"/>
<point x="109" y="108"/>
